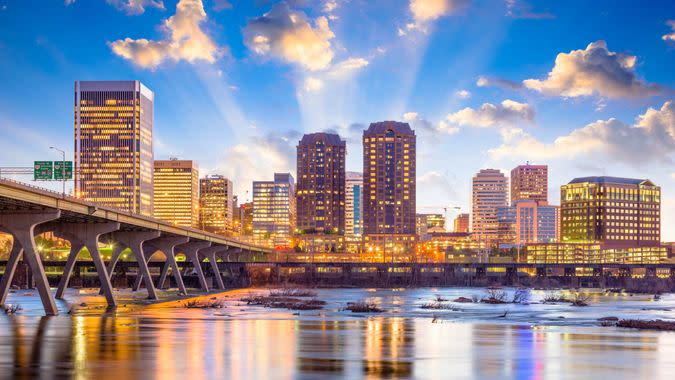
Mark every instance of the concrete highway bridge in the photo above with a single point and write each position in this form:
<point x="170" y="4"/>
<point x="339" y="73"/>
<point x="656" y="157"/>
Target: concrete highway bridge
<point x="27" y="211"/>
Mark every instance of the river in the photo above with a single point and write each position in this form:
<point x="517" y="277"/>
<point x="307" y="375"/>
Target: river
<point x="139" y="340"/>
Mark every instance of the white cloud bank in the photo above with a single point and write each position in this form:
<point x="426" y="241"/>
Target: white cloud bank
<point x="650" y="138"/>
<point x="670" y="37"/>
<point x="136" y="7"/>
<point x="594" y="70"/>
<point x="507" y="113"/>
<point x="185" y="40"/>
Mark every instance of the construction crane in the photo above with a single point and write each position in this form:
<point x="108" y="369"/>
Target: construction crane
<point x="445" y="211"/>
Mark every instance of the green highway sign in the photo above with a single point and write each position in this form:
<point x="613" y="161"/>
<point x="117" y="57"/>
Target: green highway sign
<point x="63" y="174"/>
<point x="42" y="170"/>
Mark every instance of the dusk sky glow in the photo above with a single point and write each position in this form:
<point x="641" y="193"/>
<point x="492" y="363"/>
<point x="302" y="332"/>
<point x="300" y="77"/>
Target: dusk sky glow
<point x="585" y="87"/>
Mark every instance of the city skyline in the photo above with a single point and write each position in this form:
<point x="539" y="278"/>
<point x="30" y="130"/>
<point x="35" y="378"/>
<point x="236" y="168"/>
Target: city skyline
<point x="482" y="125"/>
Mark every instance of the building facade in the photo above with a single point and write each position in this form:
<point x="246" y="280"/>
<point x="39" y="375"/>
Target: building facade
<point x="320" y="189"/>
<point x="462" y="223"/>
<point x="489" y="192"/>
<point x="529" y="182"/>
<point x="274" y="210"/>
<point x="176" y="192"/>
<point x="353" y="205"/>
<point x="246" y="219"/>
<point x="389" y="176"/>
<point x="428" y="223"/>
<point x="527" y="221"/>
<point x="113" y="144"/>
<point x="614" y="212"/>
<point x="215" y="204"/>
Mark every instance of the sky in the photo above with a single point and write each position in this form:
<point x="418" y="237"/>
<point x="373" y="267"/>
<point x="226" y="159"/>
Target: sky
<point x="584" y="87"/>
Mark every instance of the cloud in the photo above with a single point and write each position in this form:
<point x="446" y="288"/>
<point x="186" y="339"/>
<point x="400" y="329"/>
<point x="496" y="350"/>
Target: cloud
<point x="68" y="2"/>
<point x="258" y="158"/>
<point x="420" y="124"/>
<point x="429" y="10"/>
<point x="521" y="9"/>
<point x="595" y="70"/>
<point x="313" y="84"/>
<point x="463" y="94"/>
<point x="288" y="35"/>
<point x="438" y="184"/>
<point x="650" y="138"/>
<point x="185" y="40"/>
<point x="330" y="5"/>
<point x="136" y="7"/>
<point x="670" y="37"/>
<point x="221" y="5"/>
<point x="508" y="113"/>
<point x="485" y="81"/>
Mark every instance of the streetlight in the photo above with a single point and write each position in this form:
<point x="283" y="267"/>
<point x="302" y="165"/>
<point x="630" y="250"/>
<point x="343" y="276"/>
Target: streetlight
<point x="63" y="167"/>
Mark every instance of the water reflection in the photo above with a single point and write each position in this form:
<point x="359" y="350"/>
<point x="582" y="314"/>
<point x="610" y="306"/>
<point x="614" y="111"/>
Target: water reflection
<point x="109" y="347"/>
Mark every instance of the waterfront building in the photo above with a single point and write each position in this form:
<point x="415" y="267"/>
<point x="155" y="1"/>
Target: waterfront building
<point x="113" y="144"/>
<point x="389" y="157"/>
<point x="527" y="221"/>
<point x="353" y="206"/>
<point x="529" y="182"/>
<point x="176" y="192"/>
<point x="215" y="204"/>
<point x="274" y="210"/>
<point x="452" y="246"/>
<point x="462" y="223"/>
<point x="614" y="212"/>
<point x="320" y="189"/>
<point x="489" y="192"/>
<point x="585" y="253"/>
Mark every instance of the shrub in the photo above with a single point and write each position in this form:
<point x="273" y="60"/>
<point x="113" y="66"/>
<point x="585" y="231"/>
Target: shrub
<point x="363" y="307"/>
<point x="494" y="296"/>
<point x="521" y="296"/>
<point x="292" y="292"/>
<point x="212" y="304"/>
<point x="580" y="299"/>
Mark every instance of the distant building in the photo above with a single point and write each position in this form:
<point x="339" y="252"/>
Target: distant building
<point x="614" y="212"/>
<point x="462" y="223"/>
<point x="321" y="184"/>
<point x="274" y="210"/>
<point x="353" y="205"/>
<point x="529" y="182"/>
<point x="427" y="223"/>
<point x="215" y="204"/>
<point x="527" y="221"/>
<point x="571" y="253"/>
<point x="489" y="192"/>
<point x="246" y="221"/>
<point x="389" y="156"/>
<point x="113" y="144"/>
<point x="176" y="192"/>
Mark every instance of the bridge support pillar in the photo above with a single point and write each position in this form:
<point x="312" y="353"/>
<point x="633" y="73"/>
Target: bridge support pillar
<point x="570" y="272"/>
<point x="134" y="241"/>
<point x="10" y="268"/>
<point x="210" y="253"/>
<point x="541" y="272"/>
<point x="190" y="250"/>
<point x="598" y="272"/>
<point x="231" y="254"/>
<point x="167" y="245"/>
<point x="22" y="227"/>
<point x="86" y="235"/>
<point x="650" y="272"/>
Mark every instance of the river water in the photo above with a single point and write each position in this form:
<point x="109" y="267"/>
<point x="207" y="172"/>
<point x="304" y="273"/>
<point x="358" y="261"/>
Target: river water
<point x="533" y="341"/>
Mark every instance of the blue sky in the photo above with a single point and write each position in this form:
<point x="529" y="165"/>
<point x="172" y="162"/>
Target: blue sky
<point x="585" y="87"/>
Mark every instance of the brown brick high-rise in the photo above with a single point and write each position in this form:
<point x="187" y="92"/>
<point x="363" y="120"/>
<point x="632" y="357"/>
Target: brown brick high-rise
<point x="321" y="184"/>
<point x="389" y="179"/>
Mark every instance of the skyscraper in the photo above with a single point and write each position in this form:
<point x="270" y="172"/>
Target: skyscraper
<point x="176" y="192"/>
<point x="614" y="212"/>
<point x="321" y="184"/>
<point x="215" y="204"/>
<point x="489" y="191"/>
<point x="461" y="223"/>
<point x="389" y="183"/>
<point x="274" y="210"/>
<point x="353" y="205"/>
<point x="529" y="182"/>
<point x="113" y="144"/>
